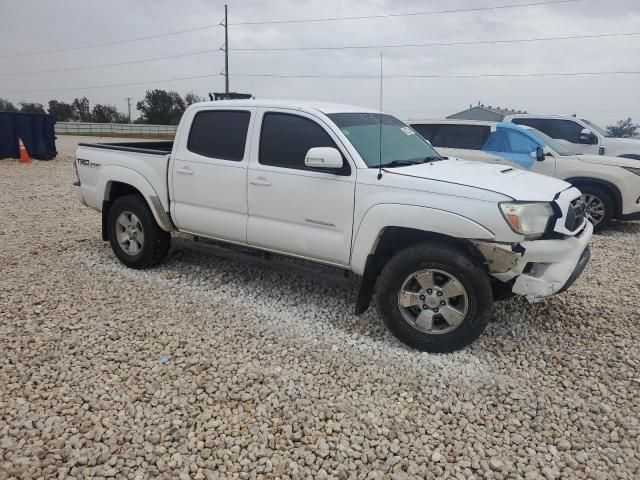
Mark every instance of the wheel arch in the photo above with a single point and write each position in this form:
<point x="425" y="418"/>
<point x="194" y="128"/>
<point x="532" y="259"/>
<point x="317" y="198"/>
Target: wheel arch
<point x="376" y="242"/>
<point x="123" y="181"/>
<point x="610" y="187"/>
<point x="384" y="219"/>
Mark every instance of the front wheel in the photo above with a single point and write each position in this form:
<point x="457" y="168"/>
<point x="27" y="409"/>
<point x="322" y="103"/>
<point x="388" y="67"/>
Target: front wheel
<point x="135" y="237"/>
<point x="434" y="298"/>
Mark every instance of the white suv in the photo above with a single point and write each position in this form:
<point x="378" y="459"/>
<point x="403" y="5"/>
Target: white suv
<point x="610" y="185"/>
<point x="580" y="135"/>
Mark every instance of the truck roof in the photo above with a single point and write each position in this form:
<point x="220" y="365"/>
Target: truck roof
<point x="532" y="115"/>
<point x="324" y="107"/>
<point x="451" y="121"/>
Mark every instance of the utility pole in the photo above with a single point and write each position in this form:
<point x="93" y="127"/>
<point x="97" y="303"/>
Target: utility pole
<point x="128" y="99"/>
<point x="226" y="51"/>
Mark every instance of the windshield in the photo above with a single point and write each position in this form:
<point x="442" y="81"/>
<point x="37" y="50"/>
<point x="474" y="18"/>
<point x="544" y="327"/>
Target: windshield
<point x="595" y="127"/>
<point x="399" y="143"/>
<point x="551" y="143"/>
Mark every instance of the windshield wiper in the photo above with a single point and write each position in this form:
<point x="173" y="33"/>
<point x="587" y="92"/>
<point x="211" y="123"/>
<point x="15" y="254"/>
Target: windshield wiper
<point x="400" y="163"/>
<point x="434" y="158"/>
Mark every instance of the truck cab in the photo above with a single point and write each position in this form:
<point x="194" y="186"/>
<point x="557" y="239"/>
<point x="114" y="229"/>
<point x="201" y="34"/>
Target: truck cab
<point x="435" y="239"/>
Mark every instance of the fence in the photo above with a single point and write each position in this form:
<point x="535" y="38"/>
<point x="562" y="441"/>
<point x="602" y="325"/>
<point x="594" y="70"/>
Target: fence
<point x="115" y="129"/>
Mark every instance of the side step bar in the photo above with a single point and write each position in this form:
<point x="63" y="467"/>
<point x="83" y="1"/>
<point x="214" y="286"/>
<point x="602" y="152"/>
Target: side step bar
<point x="268" y="260"/>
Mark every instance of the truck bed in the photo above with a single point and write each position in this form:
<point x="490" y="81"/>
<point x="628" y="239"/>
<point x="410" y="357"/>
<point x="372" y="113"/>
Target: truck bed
<point x="152" y="148"/>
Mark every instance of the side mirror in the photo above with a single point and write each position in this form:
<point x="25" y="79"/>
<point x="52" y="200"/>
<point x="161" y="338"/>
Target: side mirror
<point x="323" y="157"/>
<point x="585" y="136"/>
<point x="540" y="155"/>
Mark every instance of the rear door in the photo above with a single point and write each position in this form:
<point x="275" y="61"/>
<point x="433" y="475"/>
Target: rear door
<point x="209" y="174"/>
<point x="292" y="208"/>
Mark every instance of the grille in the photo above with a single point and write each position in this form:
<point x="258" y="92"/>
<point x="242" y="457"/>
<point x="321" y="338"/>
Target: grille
<point x="575" y="215"/>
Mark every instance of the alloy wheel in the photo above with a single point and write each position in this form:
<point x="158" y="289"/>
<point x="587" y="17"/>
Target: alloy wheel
<point x="129" y="233"/>
<point x="433" y="301"/>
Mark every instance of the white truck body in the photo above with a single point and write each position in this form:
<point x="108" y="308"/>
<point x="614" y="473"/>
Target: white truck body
<point x="340" y="217"/>
<point x="580" y="135"/>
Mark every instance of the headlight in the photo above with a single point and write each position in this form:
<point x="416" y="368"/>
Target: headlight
<point x="632" y="170"/>
<point x="528" y="219"/>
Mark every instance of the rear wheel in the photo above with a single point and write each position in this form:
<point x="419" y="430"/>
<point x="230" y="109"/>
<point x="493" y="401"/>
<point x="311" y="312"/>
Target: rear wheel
<point x="434" y="298"/>
<point x="599" y="206"/>
<point x="134" y="235"/>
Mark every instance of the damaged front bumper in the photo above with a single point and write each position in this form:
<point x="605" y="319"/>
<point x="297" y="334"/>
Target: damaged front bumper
<point x="539" y="268"/>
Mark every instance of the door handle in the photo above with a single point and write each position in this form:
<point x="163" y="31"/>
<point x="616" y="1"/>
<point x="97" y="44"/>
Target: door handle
<point x="184" y="171"/>
<point x="261" y="182"/>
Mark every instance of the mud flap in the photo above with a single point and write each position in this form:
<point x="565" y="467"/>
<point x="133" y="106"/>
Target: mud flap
<point x="367" y="285"/>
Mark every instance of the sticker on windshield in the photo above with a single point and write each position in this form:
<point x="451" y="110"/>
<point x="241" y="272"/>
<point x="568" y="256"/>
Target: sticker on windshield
<point x="408" y="131"/>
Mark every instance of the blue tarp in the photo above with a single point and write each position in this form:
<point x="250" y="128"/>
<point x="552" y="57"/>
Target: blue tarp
<point x="36" y="131"/>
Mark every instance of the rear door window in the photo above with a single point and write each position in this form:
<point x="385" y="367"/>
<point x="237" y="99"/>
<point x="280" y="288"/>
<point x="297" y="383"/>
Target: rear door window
<point x="556" y="128"/>
<point x="220" y="134"/>
<point x="469" y="137"/>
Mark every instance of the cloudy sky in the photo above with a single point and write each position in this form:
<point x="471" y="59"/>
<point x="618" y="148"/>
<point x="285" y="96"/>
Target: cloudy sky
<point x="33" y="26"/>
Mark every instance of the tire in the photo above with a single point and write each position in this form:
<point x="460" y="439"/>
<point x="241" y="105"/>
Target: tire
<point x="144" y="244"/>
<point x="599" y="206"/>
<point x="473" y="307"/>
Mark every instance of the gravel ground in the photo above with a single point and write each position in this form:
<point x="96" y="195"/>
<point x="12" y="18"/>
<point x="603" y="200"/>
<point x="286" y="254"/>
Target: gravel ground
<point x="208" y="368"/>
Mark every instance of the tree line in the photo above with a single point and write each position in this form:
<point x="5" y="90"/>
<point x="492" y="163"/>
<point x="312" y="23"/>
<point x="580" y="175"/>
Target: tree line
<point x="158" y="107"/>
<point x="162" y="107"/>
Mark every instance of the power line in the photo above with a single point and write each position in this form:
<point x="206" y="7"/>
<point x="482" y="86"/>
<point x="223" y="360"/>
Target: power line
<point x="408" y="14"/>
<point x="343" y="77"/>
<point x="145" y="60"/>
<point x="106" y="44"/>
<point x="205" y="27"/>
<point x="439" y="44"/>
<point x="483" y="75"/>
<point x="131" y="84"/>
<point x="202" y="52"/>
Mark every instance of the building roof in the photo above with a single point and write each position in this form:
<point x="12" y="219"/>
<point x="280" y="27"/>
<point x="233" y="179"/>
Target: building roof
<point x="498" y="111"/>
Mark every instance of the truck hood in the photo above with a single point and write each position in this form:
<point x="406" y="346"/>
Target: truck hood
<point x="518" y="184"/>
<point x="606" y="160"/>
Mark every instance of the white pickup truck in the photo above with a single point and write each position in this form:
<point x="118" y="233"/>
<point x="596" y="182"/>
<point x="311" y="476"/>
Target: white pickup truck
<point x="439" y="239"/>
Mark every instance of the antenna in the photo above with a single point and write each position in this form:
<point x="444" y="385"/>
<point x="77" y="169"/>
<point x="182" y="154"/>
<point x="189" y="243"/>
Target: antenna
<point x="380" y="125"/>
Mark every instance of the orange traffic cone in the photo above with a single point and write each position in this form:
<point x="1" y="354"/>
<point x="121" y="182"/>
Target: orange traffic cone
<point x="24" y="155"/>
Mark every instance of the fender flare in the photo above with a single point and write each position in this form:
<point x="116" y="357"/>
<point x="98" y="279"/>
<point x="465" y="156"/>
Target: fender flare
<point x="117" y="173"/>
<point x="382" y="216"/>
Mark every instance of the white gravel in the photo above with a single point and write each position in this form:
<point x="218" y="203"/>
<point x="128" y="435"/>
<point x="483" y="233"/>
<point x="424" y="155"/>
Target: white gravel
<point x="209" y="368"/>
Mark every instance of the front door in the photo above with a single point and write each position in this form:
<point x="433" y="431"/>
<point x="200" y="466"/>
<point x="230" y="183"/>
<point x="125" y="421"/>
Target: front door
<point x="292" y="208"/>
<point x="209" y="175"/>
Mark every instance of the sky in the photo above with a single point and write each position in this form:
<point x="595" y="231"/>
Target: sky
<point x="37" y="27"/>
